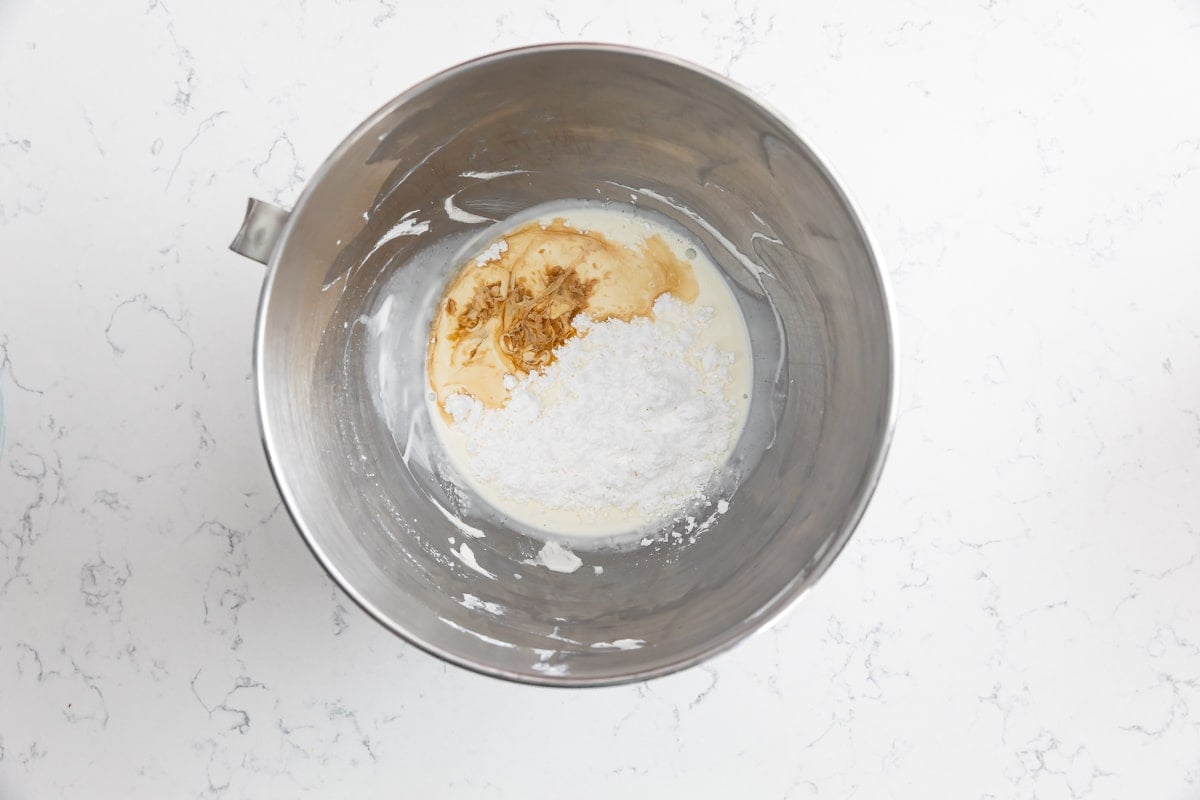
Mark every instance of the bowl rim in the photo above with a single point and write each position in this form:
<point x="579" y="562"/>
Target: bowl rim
<point x="771" y="611"/>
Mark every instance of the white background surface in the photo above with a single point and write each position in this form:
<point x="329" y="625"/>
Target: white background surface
<point x="1018" y="615"/>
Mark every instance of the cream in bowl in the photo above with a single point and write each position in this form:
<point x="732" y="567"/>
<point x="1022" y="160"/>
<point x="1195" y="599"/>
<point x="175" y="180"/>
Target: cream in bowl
<point x="590" y="372"/>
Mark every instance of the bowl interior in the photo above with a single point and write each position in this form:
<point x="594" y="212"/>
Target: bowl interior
<point x="345" y="317"/>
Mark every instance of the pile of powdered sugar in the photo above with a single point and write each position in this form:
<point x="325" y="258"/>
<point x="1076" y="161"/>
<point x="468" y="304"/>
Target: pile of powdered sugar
<point x="630" y="415"/>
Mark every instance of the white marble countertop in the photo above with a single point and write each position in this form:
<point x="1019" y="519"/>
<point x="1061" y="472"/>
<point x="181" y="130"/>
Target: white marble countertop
<point x="1018" y="615"/>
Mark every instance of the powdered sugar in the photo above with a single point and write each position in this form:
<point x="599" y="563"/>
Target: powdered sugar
<point x="630" y="416"/>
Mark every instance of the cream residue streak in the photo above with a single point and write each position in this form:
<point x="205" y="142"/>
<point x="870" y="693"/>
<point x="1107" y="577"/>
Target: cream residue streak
<point x="467" y="556"/>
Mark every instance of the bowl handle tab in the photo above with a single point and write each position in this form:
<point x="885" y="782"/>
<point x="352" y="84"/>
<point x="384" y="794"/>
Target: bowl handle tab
<point x="260" y="230"/>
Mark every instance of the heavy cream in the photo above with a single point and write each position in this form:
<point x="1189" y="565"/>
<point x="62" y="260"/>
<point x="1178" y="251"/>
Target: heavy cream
<point x="564" y="397"/>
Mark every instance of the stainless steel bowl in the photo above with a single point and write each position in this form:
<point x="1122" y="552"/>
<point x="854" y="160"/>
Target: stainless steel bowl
<point x="339" y="370"/>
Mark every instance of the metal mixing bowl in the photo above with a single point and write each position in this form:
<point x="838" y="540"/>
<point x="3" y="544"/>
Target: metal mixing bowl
<point x="355" y="270"/>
